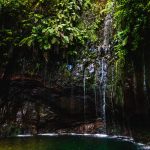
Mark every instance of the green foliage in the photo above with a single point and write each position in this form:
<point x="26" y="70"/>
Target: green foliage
<point x="59" y="28"/>
<point x="131" y="27"/>
<point x="60" y="25"/>
<point x="130" y="20"/>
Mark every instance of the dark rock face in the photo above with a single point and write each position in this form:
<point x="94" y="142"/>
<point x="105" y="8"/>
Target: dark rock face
<point x="26" y="106"/>
<point x="71" y="101"/>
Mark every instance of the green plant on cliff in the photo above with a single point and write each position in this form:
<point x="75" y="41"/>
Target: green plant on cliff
<point x="46" y="34"/>
<point x="131" y="27"/>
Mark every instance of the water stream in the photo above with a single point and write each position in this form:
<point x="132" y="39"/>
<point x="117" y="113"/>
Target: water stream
<point x="84" y="98"/>
<point x="104" y="50"/>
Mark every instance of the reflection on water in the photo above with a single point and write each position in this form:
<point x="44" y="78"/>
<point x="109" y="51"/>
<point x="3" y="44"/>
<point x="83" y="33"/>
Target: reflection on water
<point x="65" y="143"/>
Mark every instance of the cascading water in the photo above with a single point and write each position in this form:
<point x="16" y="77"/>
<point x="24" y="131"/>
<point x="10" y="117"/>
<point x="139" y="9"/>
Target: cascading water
<point x="84" y="90"/>
<point x="112" y="96"/>
<point x="103" y="80"/>
<point x="144" y="84"/>
<point x="104" y="50"/>
<point x="144" y="79"/>
<point x="88" y="67"/>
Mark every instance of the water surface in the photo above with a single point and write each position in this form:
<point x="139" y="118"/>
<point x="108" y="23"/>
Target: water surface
<point x="66" y="143"/>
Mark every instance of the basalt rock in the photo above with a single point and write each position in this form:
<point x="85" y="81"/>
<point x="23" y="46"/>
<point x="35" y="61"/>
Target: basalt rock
<point x="27" y="106"/>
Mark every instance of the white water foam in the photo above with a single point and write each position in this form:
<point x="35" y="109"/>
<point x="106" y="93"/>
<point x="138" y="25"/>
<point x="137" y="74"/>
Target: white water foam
<point x="24" y="135"/>
<point x="122" y="138"/>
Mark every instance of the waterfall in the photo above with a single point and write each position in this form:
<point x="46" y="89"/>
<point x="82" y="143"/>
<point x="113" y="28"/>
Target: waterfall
<point x="103" y="82"/>
<point x="95" y="94"/>
<point x="104" y="50"/>
<point x="84" y="90"/>
<point x="144" y="79"/>
<point x="144" y="83"/>
<point x="107" y="33"/>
